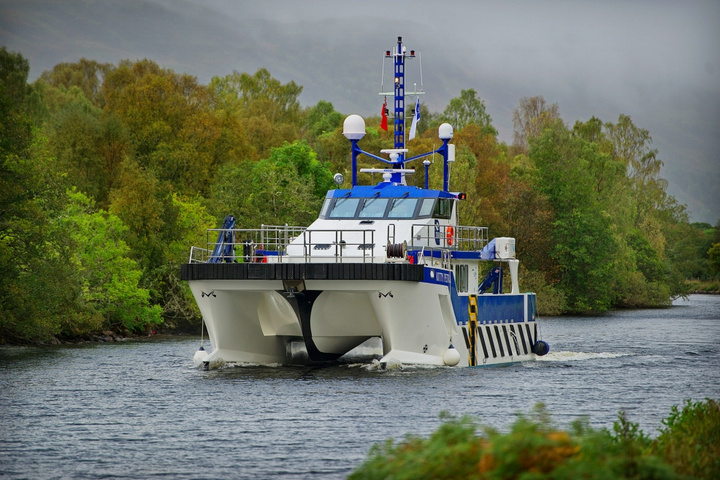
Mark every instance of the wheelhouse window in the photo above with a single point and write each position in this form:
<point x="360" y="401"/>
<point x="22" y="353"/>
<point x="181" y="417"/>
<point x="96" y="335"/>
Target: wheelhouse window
<point x="373" y="208"/>
<point x="443" y="208"/>
<point x="382" y="207"/>
<point x="426" y="208"/>
<point x="402" y="208"/>
<point x="344" y="208"/>
<point x="325" y="207"/>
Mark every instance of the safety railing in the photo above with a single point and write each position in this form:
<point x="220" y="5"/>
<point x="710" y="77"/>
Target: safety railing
<point x="245" y="244"/>
<point x="284" y="243"/>
<point x="277" y="244"/>
<point x="340" y="244"/>
<point x="449" y="237"/>
<point x="434" y="244"/>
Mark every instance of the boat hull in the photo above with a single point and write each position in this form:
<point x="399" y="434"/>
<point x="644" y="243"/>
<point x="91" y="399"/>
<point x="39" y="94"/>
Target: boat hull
<point x="327" y="310"/>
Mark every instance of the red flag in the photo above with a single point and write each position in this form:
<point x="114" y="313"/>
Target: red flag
<point x="383" y="122"/>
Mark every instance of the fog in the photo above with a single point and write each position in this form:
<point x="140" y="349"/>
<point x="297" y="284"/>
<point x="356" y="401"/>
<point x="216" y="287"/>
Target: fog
<point x="656" y="61"/>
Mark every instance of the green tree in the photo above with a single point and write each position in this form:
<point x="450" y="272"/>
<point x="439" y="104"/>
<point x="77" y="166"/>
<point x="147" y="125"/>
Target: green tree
<point x="268" y="111"/>
<point x="173" y="128"/>
<point x="467" y="109"/>
<point x="584" y="243"/>
<point x="288" y="187"/>
<point x="35" y="299"/>
<point x="189" y="229"/>
<point x="530" y="119"/>
<point x="87" y="75"/>
<point x="322" y="118"/>
<point x="714" y="256"/>
<point x="690" y="439"/>
<point x="109" y="277"/>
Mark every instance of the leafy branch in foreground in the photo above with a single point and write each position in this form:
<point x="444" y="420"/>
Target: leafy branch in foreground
<point x="537" y="449"/>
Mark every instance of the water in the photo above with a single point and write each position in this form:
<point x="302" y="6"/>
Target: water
<point x="140" y="410"/>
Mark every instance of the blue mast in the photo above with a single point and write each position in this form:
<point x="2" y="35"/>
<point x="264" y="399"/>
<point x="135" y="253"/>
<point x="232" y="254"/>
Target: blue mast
<point x="399" y="80"/>
<point x="354" y="128"/>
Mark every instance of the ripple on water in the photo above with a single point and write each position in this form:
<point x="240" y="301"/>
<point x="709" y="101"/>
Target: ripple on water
<point x="139" y="409"/>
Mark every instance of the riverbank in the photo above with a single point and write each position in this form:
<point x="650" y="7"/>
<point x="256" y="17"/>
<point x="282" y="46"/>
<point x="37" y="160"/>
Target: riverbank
<point x="106" y="336"/>
<point x="698" y="287"/>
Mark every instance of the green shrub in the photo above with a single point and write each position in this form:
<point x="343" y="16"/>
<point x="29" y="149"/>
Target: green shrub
<point x="690" y="441"/>
<point x="536" y="449"/>
<point x="416" y="457"/>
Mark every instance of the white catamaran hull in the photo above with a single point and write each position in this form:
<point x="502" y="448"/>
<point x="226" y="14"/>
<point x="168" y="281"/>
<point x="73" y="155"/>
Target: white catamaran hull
<point x="252" y="321"/>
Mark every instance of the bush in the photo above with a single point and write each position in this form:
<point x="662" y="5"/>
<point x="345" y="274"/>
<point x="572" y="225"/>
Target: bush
<point x="690" y="441"/>
<point x="535" y="449"/>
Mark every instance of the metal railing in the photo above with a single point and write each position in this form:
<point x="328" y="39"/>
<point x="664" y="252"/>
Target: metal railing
<point x="245" y="244"/>
<point x="448" y="237"/>
<point x="435" y="243"/>
<point x="339" y="244"/>
<point x="274" y="243"/>
<point x="280" y="243"/>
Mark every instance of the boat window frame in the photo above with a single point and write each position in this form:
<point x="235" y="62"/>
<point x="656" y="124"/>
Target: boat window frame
<point x="325" y="207"/>
<point x="342" y="199"/>
<point x="391" y="206"/>
<point x="431" y="209"/>
<point x="437" y="211"/>
<point x="367" y="202"/>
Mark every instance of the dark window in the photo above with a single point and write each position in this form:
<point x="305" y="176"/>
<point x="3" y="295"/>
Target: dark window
<point x="443" y="208"/>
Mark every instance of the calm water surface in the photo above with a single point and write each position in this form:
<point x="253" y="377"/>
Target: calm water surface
<point x="140" y="410"/>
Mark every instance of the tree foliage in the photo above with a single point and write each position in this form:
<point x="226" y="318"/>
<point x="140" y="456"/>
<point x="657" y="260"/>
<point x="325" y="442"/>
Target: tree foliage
<point x="152" y="158"/>
<point x="535" y="448"/>
<point x="530" y="119"/>
<point x="468" y="109"/>
<point x="108" y="278"/>
<point x="286" y="188"/>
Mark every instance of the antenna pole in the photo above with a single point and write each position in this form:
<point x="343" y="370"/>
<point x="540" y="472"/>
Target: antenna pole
<point x="400" y="98"/>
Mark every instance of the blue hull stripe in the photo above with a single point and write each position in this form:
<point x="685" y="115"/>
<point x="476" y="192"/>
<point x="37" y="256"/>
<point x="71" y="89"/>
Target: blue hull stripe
<point x="492" y="309"/>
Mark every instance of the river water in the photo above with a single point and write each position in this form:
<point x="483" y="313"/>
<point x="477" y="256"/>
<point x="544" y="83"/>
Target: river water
<point x="140" y="409"/>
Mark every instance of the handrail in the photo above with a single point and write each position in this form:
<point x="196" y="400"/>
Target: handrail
<point x="466" y="238"/>
<point x="283" y="243"/>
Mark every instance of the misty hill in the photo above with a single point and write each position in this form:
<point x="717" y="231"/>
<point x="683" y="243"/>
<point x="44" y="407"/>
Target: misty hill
<point x="340" y="61"/>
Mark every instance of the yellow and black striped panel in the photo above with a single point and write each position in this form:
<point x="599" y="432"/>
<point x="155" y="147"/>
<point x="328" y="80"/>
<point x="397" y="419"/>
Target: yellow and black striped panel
<point x="472" y="329"/>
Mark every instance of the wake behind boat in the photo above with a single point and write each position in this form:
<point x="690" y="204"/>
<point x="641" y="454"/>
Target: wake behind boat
<point x="387" y="260"/>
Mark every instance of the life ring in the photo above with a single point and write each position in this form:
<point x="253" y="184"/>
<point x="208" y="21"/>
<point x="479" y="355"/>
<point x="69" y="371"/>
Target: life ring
<point x="450" y="234"/>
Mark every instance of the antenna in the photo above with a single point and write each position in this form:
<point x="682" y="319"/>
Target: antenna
<point x="354" y="125"/>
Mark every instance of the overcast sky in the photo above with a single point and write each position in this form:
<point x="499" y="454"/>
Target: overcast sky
<point x="657" y="61"/>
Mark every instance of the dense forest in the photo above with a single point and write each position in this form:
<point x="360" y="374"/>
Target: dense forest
<point x="109" y="173"/>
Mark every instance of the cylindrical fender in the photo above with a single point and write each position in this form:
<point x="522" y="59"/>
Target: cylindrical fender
<point x="541" y="348"/>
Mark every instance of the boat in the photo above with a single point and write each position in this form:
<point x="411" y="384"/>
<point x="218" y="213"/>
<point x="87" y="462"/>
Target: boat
<point x="385" y="261"/>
